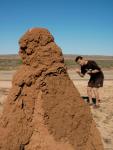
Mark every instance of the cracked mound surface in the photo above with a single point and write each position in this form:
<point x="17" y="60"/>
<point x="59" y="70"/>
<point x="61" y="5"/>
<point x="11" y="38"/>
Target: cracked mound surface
<point x="44" y="110"/>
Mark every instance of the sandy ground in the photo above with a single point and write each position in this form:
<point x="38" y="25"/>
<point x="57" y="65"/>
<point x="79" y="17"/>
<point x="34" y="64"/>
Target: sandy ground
<point x="103" y="115"/>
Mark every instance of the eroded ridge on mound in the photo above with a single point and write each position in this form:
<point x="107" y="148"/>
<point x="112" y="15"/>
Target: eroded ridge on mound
<point x="44" y="110"/>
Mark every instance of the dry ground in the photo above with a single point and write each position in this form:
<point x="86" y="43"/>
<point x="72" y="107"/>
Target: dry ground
<point x="103" y="116"/>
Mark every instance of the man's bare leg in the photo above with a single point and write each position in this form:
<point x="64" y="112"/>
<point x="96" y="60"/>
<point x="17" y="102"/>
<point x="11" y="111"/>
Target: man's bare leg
<point x="96" y="93"/>
<point x="89" y="93"/>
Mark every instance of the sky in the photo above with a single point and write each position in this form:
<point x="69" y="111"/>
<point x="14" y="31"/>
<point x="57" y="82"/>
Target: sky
<point x="82" y="27"/>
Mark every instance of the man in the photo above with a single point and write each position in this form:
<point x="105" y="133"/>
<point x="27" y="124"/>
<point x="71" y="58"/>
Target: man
<point x="96" y="78"/>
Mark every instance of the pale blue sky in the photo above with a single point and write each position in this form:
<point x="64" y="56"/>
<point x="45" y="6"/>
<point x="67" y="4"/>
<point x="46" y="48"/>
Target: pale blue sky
<point x="79" y="26"/>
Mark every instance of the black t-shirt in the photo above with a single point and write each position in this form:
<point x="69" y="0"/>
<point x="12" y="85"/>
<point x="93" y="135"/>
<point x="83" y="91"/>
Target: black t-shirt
<point x="91" y="65"/>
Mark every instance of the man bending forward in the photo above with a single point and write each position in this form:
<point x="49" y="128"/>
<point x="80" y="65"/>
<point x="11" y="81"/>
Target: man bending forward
<point x="96" y="77"/>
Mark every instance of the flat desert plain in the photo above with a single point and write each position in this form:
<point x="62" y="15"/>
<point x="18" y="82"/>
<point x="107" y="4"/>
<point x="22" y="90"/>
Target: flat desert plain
<point x="103" y="116"/>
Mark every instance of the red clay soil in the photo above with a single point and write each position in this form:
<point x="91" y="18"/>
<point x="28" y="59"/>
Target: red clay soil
<point x="44" y="110"/>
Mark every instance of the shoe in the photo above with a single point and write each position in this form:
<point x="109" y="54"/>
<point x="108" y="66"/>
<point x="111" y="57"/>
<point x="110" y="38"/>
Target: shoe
<point x="90" y="104"/>
<point x="96" y="106"/>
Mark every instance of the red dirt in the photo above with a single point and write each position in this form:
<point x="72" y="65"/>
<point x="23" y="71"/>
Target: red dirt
<point x="44" y="110"/>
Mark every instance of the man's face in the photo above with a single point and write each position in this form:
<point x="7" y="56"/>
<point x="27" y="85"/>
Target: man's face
<point x="81" y="62"/>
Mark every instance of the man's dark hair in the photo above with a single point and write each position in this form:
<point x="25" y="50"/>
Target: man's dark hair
<point x="78" y="57"/>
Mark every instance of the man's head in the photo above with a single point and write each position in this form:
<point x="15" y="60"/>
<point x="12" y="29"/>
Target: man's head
<point x="80" y="60"/>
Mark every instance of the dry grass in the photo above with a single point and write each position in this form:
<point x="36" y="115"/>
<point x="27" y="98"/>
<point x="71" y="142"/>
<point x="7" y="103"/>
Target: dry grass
<point x="12" y="62"/>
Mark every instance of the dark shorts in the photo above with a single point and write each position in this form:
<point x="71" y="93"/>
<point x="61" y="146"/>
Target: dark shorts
<point x="96" y="82"/>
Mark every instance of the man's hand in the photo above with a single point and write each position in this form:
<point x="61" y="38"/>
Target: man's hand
<point x="89" y="71"/>
<point x="77" y="71"/>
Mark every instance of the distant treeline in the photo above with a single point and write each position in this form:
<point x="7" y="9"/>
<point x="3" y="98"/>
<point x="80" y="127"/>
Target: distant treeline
<point x="9" y="64"/>
<point x="14" y="62"/>
<point x="102" y="63"/>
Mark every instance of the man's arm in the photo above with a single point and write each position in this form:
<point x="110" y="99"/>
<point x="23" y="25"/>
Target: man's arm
<point x="93" y="71"/>
<point x="79" y="72"/>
